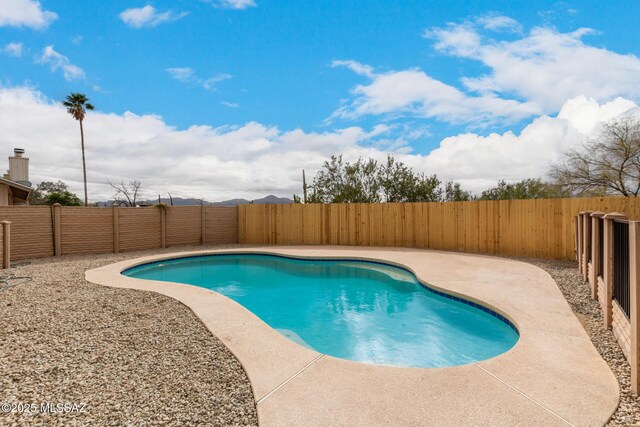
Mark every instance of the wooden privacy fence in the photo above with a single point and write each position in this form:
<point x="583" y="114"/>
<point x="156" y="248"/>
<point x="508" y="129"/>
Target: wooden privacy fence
<point x="537" y="228"/>
<point x="42" y="231"/>
<point x="609" y="259"/>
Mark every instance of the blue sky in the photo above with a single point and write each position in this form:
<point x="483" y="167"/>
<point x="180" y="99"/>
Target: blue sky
<point x="322" y="67"/>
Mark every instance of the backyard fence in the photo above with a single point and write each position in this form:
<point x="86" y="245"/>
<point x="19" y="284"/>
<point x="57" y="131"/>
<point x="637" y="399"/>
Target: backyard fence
<point x="608" y="253"/>
<point x="607" y="246"/>
<point x="42" y="231"/>
<point x="536" y="228"/>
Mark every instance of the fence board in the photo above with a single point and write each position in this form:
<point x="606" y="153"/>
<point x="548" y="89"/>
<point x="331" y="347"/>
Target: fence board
<point x="537" y="228"/>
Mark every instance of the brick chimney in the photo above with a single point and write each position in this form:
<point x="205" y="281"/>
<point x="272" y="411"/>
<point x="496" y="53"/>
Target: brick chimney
<point x="19" y="167"/>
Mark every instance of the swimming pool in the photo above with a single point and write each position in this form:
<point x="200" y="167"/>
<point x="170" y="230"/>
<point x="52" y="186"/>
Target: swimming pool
<point x="358" y="310"/>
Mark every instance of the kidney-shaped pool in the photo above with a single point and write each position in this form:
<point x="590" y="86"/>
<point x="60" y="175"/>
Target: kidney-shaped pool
<point x="359" y="310"/>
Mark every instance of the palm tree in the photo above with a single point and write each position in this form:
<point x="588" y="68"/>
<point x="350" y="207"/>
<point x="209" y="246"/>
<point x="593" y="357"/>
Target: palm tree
<point x="76" y="104"/>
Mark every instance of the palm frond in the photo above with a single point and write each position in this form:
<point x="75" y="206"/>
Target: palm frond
<point x="76" y="104"/>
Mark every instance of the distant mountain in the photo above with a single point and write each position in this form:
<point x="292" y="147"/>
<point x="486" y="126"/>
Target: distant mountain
<point x="268" y="200"/>
<point x="179" y="201"/>
<point x="273" y="200"/>
<point x="232" y="202"/>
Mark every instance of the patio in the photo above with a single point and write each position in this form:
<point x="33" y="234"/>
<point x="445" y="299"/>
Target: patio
<point x="553" y="376"/>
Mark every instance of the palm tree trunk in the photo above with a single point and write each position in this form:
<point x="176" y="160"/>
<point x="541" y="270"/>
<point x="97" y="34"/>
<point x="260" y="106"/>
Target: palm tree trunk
<point x="84" y="165"/>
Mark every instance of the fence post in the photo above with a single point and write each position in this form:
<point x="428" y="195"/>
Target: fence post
<point x="203" y="224"/>
<point x="607" y="274"/>
<point x="163" y="227"/>
<point x="116" y="228"/>
<point x="576" y="246"/>
<point x="596" y="262"/>
<point x="57" y="229"/>
<point x="634" y="313"/>
<point x="586" y="244"/>
<point x="6" y="244"/>
<point x="579" y="233"/>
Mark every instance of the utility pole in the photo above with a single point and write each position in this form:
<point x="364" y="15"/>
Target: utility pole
<point x="304" y="188"/>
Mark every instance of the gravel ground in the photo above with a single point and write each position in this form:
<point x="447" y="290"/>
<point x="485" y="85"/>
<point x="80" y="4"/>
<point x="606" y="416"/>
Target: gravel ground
<point x="578" y="294"/>
<point x="130" y="357"/>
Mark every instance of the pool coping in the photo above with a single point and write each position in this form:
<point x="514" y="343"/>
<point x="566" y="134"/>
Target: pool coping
<point x="553" y="375"/>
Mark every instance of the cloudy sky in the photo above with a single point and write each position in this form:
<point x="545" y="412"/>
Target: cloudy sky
<point x="218" y="99"/>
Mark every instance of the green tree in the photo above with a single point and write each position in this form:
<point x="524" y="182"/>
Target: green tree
<point x="367" y="181"/>
<point x="65" y="198"/>
<point x="77" y="104"/>
<point x="45" y="188"/>
<point x="454" y="193"/>
<point x="525" y="189"/>
<point x="344" y="182"/>
<point x="426" y="189"/>
<point x="399" y="183"/>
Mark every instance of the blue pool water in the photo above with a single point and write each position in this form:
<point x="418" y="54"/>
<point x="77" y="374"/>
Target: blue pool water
<point x="357" y="310"/>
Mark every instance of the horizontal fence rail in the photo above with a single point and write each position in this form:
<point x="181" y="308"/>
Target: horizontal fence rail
<point x="537" y="228"/>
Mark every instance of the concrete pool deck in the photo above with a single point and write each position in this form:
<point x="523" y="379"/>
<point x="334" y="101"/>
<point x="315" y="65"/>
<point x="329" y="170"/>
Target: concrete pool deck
<point x="552" y="376"/>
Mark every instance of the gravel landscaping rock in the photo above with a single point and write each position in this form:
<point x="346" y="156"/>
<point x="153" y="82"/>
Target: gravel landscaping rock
<point x="139" y="358"/>
<point x="130" y="357"/>
<point x="578" y="294"/>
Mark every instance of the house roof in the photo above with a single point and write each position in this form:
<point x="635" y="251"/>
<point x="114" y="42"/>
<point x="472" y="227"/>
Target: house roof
<point x="19" y="191"/>
<point x="17" y="185"/>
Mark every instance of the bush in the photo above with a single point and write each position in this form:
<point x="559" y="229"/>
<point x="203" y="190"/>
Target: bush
<point x="65" y="198"/>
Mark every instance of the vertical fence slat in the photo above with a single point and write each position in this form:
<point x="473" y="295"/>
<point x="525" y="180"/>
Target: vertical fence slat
<point x="116" y="228"/>
<point x="57" y="229"/>
<point x="6" y="244"/>
<point x="634" y="267"/>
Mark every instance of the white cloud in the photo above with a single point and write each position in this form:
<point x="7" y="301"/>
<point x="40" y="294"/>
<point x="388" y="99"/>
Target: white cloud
<point x="253" y="160"/>
<point x="413" y="92"/>
<point x="230" y="104"/>
<point x="530" y="75"/>
<point x="479" y="161"/>
<point x="356" y="67"/>
<point x="545" y="67"/>
<point x="188" y="75"/>
<point x="495" y="22"/>
<point x="210" y="83"/>
<point x="58" y="61"/>
<point x="235" y="4"/>
<point x="13" y="49"/>
<point x="25" y="13"/>
<point x="148" y="16"/>
<point x="182" y="74"/>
